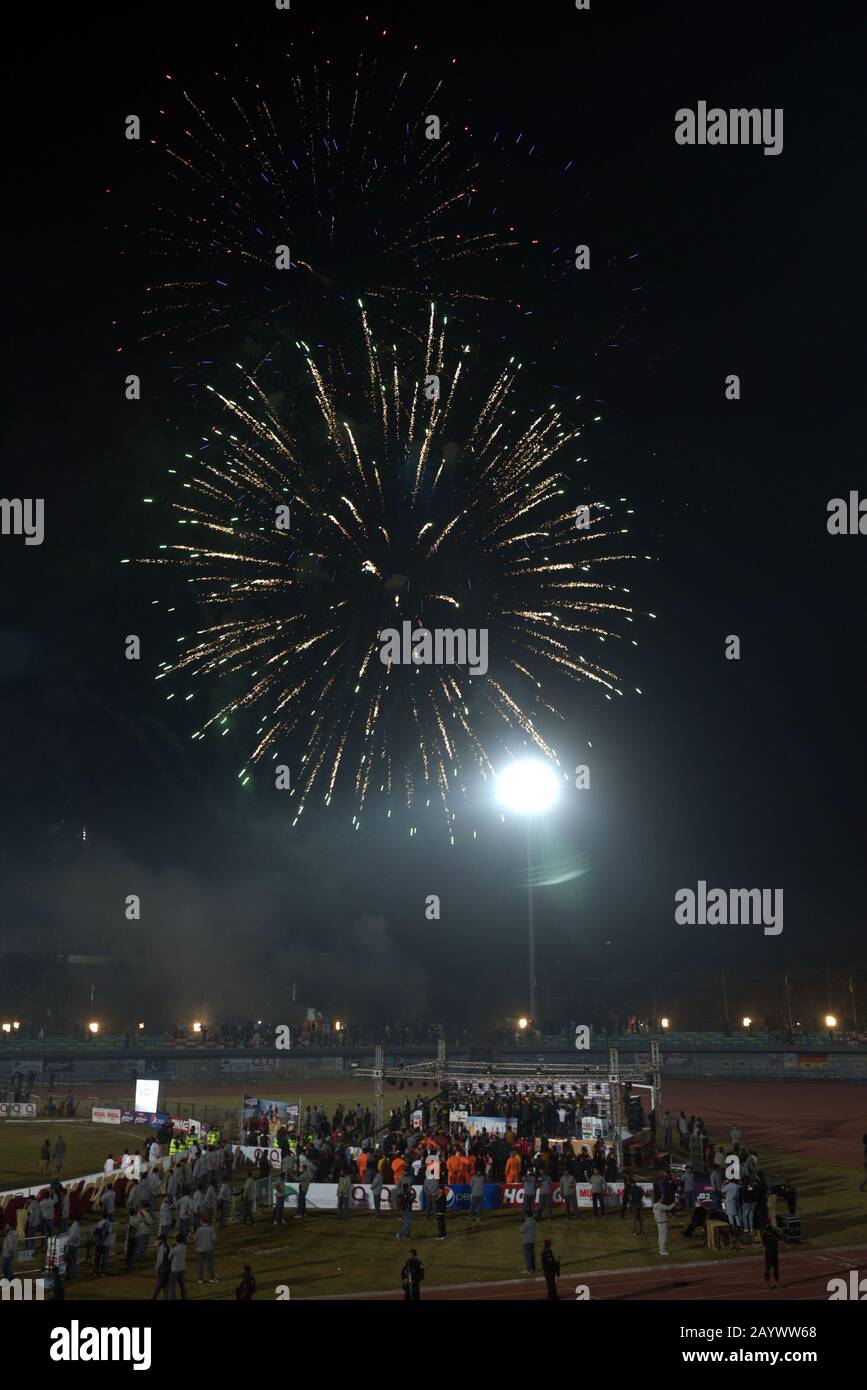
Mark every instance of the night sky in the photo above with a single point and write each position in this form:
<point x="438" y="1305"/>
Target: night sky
<point x="743" y="773"/>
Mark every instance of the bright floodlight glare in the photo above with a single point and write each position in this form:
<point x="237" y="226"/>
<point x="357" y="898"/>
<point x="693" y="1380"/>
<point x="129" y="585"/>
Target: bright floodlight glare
<point x="664" y="1022"/>
<point x="747" y="1020"/>
<point x="528" y="786"/>
<point x="522" y="1022"/>
<point x="830" y="1021"/>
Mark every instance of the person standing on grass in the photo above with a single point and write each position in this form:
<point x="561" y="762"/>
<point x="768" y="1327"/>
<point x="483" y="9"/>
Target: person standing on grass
<point x="597" y="1194"/>
<point x="303" y="1185"/>
<point x="477" y="1196"/>
<point x="185" y="1215"/>
<point x="545" y="1197"/>
<point x="249" y="1201"/>
<point x="204" y="1241"/>
<point x="59" y="1155"/>
<point x="225" y="1199"/>
<point x="9" y="1252"/>
<point x="45" y="1157"/>
<point x="567" y="1192"/>
<point x="636" y="1198"/>
<point x="771" y="1248"/>
<point x="247" y="1287"/>
<point x="528" y="1241"/>
<point x="101" y="1237"/>
<point x="404" y="1206"/>
<point x="178" y="1270"/>
<point x="376" y="1186"/>
<point x="162" y="1269"/>
<point x="529" y="1190"/>
<point x="550" y="1268"/>
<point x="411" y="1276"/>
<point x="441" y="1201"/>
<point x="736" y="1136"/>
<point x="689" y="1191"/>
<point x="344" y="1192"/>
<point x="660" y="1216"/>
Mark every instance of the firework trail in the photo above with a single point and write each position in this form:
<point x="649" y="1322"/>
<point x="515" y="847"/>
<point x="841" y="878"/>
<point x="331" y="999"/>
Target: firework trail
<point x="415" y="488"/>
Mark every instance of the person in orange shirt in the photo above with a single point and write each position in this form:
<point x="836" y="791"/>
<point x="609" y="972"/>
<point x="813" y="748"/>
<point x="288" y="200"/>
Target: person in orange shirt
<point x="453" y="1168"/>
<point x="365" y="1163"/>
<point x="468" y="1168"/>
<point x="398" y="1167"/>
<point x="513" y="1168"/>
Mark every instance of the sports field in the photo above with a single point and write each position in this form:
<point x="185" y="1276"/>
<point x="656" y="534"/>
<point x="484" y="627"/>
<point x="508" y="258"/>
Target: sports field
<point x="808" y="1132"/>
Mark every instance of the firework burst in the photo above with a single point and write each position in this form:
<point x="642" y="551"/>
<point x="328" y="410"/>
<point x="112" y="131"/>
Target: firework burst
<point x="346" y="174"/>
<point x="415" y="489"/>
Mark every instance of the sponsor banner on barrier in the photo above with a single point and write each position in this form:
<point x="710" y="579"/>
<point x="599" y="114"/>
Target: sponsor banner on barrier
<point x="19" y="1110"/>
<point x="812" y="1061"/>
<point x="242" y="1064"/>
<point x="101" y="1116"/>
<point x="254" y="1156"/>
<point x="322" y="1196"/>
<point x="512" y="1194"/>
<point x="153" y="1119"/>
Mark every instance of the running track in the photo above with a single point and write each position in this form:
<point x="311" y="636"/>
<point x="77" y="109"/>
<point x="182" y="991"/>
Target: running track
<point x="804" y="1276"/>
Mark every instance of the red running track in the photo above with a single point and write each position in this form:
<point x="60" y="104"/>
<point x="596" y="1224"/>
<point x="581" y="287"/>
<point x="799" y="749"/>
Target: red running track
<point x="804" y="1276"/>
<point x="811" y="1119"/>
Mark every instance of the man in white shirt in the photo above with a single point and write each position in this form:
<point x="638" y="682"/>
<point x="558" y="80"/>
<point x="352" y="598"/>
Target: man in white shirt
<point x="154" y="1152"/>
<point x="108" y="1166"/>
<point x="660" y="1216"/>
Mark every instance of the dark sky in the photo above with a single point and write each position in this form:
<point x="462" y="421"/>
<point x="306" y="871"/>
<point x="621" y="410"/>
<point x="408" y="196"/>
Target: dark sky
<point x="745" y="774"/>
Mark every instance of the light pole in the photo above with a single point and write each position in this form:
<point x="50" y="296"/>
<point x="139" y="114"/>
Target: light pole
<point x="529" y="787"/>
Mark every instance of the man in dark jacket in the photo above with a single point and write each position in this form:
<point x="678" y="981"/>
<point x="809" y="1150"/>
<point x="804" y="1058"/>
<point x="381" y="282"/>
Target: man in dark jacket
<point x="411" y="1276"/>
<point x="440" y="1203"/>
<point x="550" y="1269"/>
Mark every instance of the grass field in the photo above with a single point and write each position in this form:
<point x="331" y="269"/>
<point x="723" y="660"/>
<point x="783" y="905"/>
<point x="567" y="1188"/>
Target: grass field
<point x="321" y="1256"/>
<point x="87" y="1146"/>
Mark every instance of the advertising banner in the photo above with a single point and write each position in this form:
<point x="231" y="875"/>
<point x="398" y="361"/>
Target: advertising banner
<point x="254" y="1155"/>
<point x="150" y="1119"/>
<point x="257" y="1115"/>
<point x="18" y="1110"/>
<point x="246" y="1064"/>
<point x="322" y="1196"/>
<point x="101" y="1116"/>
<point x="494" y="1124"/>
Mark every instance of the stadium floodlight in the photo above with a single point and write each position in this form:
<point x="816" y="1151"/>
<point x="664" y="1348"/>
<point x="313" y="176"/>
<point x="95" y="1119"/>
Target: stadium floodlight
<point x="830" y="1021"/>
<point x="141" y="1025"/>
<point x="529" y="786"/>
<point x="93" y="1028"/>
<point x="522" y="1023"/>
<point x="16" y="1024"/>
<point x="197" y="1027"/>
<point x="7" y="1027"/>
<point x="665" y="1022"/>
<point x="747" y="1020"/>
<point x="337" y="1025"/>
